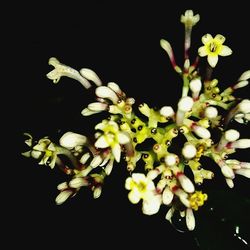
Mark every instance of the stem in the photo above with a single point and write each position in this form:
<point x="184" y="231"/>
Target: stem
<point x="185" y="87"/>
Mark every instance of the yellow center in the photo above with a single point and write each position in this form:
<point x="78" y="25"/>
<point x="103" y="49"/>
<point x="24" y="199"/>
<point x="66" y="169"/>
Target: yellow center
<point x="197" y="200"/>
<point x="213" y="47"/>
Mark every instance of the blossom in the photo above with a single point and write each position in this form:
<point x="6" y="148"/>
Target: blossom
<point x="143" y="188"/>
<point x="189" y="19"/>
<point x="44" y="150"/>
<point x="111" y="137"/>
<point x="213" y="47"/>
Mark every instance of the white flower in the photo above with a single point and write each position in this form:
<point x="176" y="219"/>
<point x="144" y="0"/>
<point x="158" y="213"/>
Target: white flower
<point x="111" y="137"/>
<point x="64" y="70"/>
<point x="213" y="47"/>
<point x="143" y="188"/>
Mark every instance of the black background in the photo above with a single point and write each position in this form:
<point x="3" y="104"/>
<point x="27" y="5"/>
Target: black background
<point x="120" y="42"/>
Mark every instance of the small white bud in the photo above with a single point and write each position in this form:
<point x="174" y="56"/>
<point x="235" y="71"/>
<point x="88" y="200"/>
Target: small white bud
<point x="242" y="143"/>
<point x="243" y="171"/>
<point x="232" y="135"/>
<point x="245" y="76"/>
<point x="227" y="171"/>
<point x="85" y="157"/>
<point x="105" y="92"/>
<point x="171" y="159"/>
<point x="211" y="112"/>
<point x="240" y="84"/>
<point x="201" y="132"/>
<point x="63" y="196"/>
<point x="78" y="182"/>
<point x="167" y="111"/>
<point x="189" y="150"/>
<point x="167" y="196"/>
<point x="91" y="75"/>
<point x="244" y="106"/>
<point x="230" y="182"/>
<point x="70" y="140"/>
<point x="195" y="85"/>
<point x="190" y="220"/>
<point x="97" y="106"/>
<point x="185" y="104"/>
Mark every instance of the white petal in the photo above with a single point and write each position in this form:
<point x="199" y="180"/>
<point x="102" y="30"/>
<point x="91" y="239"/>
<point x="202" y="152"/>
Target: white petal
<point x="225" y="51"/>
<point x="220" y="38"/>
<point x="91" y="75"/>
<point x="116" y="150"/>
<point x="206" y="38"/>
<point x="63" y="196"/>
<point x="134" y="196"/>
<point x="190" y="220"/>
<point x="202" y="51"/>
<point x="128" y="183"/>
<point x="167" y="196"/>
<point x="35" y="154"/>
<point x="101" y="142"/>
<point x="152" y="206"/>
<point x="123" y="138"/>
<point x="212" y="60"/>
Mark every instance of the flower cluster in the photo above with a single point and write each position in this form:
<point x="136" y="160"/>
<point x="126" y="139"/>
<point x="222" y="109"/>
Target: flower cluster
<point x="166" y="179"/>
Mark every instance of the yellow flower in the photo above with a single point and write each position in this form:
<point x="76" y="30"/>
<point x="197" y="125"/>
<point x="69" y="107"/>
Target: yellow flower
<point x="213" y="47"/>
<point x="197" y="200"/>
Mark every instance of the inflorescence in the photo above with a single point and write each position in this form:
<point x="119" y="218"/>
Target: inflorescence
<point x="164" y="179"/>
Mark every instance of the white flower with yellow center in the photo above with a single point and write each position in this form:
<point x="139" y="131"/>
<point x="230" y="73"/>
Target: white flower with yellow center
<point x="143" y="188"/>
<point x="111" y="137"/>
<point x="213" y="47"/>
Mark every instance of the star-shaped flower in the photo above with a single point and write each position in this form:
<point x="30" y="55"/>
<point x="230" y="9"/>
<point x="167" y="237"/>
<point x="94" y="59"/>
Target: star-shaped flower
<point x="213" y="47"/>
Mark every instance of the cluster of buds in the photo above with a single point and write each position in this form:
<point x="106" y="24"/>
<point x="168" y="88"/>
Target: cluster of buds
<point x="166" y="179"/>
